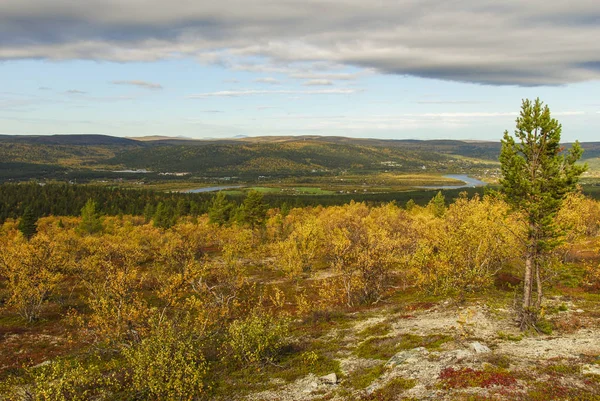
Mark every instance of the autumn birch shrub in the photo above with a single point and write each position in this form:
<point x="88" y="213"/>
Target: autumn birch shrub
<point x="61" y="380"/>
<point x="179" y="266"/>
<point x="364" y="246"/>
<point x="31" y="270"/>
<point x="112" y="276"/>
<point x="168" y="364"/>
<point x="579" y="219"/>
<point x="303" y="246"/>
<point x="258" y="338"/>
<point x="463" y="250"/>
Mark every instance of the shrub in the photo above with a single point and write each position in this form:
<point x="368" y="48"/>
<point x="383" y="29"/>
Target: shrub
<point x="60" y="380"/>
<point x="257" y="339"/>
<point x="167" y="365"/>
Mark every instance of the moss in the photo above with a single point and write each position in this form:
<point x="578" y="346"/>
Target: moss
<point x="391" y="390"/>
<point x="377" y="348"/>
<point x="500" y="361"/>
<point x="380" y="329"/>
<point x="562" y="369"/>
<point x="544" y="326"/>
<point x="386" y="347"/>
<point x="553" y="390"/>
<point x="509" y="337"/>
<point x="362" y="378"/>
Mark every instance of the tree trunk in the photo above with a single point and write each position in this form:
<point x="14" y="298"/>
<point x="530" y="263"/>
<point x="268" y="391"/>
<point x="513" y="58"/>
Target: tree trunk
<point x="538" y="282"/>
<point x="526" y="310"/>
<point x="527" y="281"/>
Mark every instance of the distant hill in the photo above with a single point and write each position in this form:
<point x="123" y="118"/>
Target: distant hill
<point x="79" y="140"/>
<point x="249" y="156"/>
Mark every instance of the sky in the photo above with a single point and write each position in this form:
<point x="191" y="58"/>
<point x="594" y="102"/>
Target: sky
<point x="403" y="69"/>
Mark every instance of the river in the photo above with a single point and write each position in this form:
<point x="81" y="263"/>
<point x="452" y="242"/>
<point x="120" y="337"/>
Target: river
<point x="469" y="182"/>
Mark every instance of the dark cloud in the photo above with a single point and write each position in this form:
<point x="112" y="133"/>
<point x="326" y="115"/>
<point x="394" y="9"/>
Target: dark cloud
<point x="482" y="41"/>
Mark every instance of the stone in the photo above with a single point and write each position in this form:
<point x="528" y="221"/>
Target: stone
<point x="479" y="348"/>
<point x="39" y="365"/>
<point x="405" y="356"/>
<point x="329" y="379"/>
<point x="591" y="369"/>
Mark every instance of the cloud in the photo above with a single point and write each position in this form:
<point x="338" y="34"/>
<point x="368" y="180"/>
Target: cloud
<point x="141" y="84"/>
<point x="480" y="41"/>
<point x="268" y="80"/>
<point x="318" y="82"/>
<point x="75" y="92"/>
<point x="252" y="92"/>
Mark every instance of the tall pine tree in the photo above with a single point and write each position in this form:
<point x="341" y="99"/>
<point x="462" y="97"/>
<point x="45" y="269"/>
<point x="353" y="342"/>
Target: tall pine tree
<point x="536" y="176"/>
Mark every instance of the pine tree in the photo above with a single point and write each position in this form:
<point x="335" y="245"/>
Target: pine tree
<point x="220" y="209"/>
<point x="28" y="223"/>
<point x="91" y="222"/>
<point x="536" y="176"/>
<point x="438" y="205"/>
<point x="148" y="212"/>
<point x="162" y="217"/>
<point x="253" y="211"/>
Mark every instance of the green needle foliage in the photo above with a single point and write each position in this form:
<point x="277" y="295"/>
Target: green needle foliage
<point x="220" y="209"/>
<point x="28" y="223"/>
<point x="253" y="210"/>
<point x="536" y="176"/>
<point x="162" y="217"/>
<point x="90" y="219"/>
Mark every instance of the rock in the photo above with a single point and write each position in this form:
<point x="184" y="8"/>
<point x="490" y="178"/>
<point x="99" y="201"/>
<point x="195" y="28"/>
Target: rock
<point x="460" y="355"/>
<point x="406" y="356"/>
<point x="591" y="369"/>
<point x="45" y="363"/>
<point x="479" y="348"/>
<point x="579" y="311"/>
<point x="329" y="379"/>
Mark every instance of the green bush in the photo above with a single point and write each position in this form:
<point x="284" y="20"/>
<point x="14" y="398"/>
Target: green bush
<point x="258" y="338"/>
<point x="61" y="380"/>
<point x="167" y="365"/>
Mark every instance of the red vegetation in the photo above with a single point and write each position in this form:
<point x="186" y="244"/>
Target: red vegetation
<point x="467" y="377"/>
